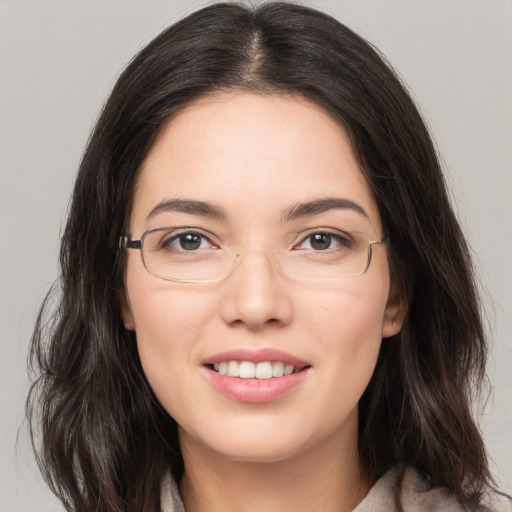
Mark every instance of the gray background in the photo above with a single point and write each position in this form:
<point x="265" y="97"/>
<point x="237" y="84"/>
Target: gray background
<point x="59" y="59"/>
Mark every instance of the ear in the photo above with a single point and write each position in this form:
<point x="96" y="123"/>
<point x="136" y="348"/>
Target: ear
<point x="395" y="312"/>
<point x="126" y="311"/>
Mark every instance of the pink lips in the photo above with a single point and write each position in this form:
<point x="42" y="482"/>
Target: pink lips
<point x="255" y="390"/>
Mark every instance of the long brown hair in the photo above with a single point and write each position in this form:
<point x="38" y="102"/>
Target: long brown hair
<point x="106" y="441"/>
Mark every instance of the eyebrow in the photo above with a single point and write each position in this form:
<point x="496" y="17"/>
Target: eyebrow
<point x="297" y="211"/>
<point x="188" y="206"/>
<point x="317" y="206"/>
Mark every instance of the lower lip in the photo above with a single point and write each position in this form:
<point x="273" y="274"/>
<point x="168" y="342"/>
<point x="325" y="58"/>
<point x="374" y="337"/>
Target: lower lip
<point x="255" y="390"/>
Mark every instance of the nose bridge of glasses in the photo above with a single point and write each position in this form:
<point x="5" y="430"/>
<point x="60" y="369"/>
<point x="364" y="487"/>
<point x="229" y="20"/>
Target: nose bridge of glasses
<point x="258" y="253"/>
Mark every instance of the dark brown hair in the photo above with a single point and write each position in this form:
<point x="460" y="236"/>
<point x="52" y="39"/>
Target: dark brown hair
<point x="106" y="441"/>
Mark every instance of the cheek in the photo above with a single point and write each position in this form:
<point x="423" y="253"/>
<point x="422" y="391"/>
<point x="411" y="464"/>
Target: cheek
<point x="353" y="315"/>
<point x="346" y="327"/>
<point x="168" y="324"/>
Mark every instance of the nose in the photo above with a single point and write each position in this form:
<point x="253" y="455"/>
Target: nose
<point x="256" y="294"/>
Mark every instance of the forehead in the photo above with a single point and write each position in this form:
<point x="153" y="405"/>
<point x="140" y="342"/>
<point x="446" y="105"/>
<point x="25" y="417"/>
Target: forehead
<point x="251" y="154"/>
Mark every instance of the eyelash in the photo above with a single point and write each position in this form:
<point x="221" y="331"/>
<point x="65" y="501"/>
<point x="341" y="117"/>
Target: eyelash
<point x="167" y="243"/>
<point x="342" y="240"/>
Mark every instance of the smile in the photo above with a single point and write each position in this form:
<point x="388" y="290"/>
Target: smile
<point x="249" y="370"/>
<point x="256" y="376"/>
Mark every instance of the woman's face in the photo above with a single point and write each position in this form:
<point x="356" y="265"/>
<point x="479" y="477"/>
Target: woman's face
<point x="249" y="174"/>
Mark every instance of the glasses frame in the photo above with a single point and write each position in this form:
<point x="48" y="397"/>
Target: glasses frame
<point x="126" y="242"/>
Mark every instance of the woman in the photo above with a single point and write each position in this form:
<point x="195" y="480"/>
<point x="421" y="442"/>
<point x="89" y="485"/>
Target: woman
<point x="267" y="302"/>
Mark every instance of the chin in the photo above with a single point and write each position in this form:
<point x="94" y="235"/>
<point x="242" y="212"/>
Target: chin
<point x="260" y="452"/>
<point x="268" y="443"/>
<point x="246" y="443"/>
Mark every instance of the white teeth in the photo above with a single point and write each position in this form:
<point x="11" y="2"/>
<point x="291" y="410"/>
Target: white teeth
<point x="232" y="369"/>
<point x="249" y="370"/>
<point x="263" y="370"/>
<point x="246" y="370"/>
<point x="278" y="369"/>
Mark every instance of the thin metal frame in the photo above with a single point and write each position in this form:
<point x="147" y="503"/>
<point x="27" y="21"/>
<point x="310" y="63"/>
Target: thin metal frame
<point x="126" y="242"/>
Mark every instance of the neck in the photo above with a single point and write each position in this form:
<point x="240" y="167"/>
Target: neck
<point x="320" y="478"/>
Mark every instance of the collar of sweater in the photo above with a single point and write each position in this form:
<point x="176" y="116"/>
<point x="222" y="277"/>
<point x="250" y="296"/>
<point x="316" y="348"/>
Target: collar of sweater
<point x="400" y="489"/>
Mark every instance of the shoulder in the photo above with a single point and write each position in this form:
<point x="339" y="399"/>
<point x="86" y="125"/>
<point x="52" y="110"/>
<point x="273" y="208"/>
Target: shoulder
<point x="407" y="490"/>
<point x="416" y="495"/>
<point x="498" y="502"/>
<point x="170" y="500"/>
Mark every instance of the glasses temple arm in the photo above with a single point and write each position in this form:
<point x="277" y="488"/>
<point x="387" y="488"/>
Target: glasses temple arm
<point x="126" y="242"/>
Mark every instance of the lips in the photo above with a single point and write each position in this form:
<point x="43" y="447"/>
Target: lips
<point x="255" y="376"/>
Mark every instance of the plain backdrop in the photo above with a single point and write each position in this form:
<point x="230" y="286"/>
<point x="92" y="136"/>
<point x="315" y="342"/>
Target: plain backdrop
<point x="58" y="61"/>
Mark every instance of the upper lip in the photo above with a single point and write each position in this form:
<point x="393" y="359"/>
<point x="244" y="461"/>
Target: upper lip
<point x="255" y="356"/>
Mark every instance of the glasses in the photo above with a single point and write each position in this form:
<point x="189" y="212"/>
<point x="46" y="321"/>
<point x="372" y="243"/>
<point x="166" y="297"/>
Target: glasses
<point x="191" y="255"/>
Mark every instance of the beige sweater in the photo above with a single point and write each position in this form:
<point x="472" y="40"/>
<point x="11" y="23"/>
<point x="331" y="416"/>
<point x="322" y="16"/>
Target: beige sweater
<point x="390" y="494"/>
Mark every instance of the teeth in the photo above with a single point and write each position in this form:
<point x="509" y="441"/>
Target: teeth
<point x="288" y="369"/>
<point x="246" y="369"/>
<point x="278" y="369"/>
<point x="233" y="369"/>
<point x="249" y="370"/>
<point x="263" y="370"/>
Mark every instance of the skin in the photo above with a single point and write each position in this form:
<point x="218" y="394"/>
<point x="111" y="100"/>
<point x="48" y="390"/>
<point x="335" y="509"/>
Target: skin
<point x="256" y="156"/>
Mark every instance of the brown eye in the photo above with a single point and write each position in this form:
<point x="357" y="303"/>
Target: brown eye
<point x="190" y="241"/>
<point x="323" y="241"/>
<point x="187" y="242"/>
<point x="320" y="241"/>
